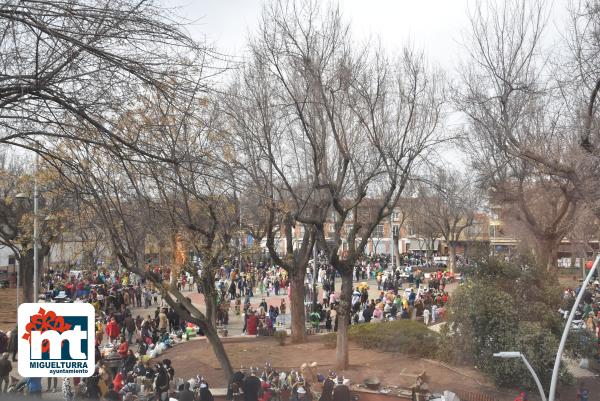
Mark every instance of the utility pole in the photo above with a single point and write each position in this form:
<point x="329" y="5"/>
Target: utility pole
<point x="35" y="233"/>
<point x="240" y="240"/>
<point x="314" y="278"/>
<point x="392" y="237"/>
<point x="18" y="268"/>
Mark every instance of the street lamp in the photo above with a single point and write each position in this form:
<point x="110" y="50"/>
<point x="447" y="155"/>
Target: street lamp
<point x="314" y="277"/>
<point x="516" y="355"/>
<point x="392" y="239"/>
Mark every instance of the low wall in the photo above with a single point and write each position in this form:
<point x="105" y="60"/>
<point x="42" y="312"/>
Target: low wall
<point x="220" y="394"/>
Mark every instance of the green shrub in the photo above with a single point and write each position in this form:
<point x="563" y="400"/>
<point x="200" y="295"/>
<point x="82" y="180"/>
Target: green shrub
<point x="507" y="306"/>
<point x="404" y="336"/>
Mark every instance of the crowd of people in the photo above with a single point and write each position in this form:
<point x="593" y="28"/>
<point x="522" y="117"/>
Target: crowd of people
<point x="128" y="338"/>
<point x="587" y="315"/>
<point x="405" y="292"/>
<point x="124" y="341"/>
<point x="133" y="326"/>
<point x="303" y="385"/>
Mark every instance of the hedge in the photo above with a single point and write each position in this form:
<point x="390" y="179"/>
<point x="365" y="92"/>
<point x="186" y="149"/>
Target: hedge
<point x="404" y="336"/>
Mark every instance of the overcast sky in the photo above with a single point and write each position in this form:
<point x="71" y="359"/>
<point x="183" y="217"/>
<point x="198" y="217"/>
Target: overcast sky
<point x="435" y="26"/>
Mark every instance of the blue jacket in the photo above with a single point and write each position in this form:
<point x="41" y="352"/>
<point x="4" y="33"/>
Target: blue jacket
<point x="34" y="384"/>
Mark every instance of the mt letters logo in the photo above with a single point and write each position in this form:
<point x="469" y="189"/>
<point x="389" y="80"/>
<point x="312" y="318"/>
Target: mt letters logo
<point x="56" y="340"/>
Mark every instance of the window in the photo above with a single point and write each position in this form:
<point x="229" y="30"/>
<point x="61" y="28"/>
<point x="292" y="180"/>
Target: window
<point x="349" y="228"/>
<point x="331" y="228"/>
<point x="350" y="215"/>
<point x="396" y="216"/>
<point x="378" y="232"/>
<point x="396" y="229"/>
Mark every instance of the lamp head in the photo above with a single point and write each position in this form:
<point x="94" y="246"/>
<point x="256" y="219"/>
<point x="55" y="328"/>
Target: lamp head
<point x="507" y="354"/>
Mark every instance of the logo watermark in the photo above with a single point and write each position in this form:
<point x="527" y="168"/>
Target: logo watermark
<point x="56" y="340"/>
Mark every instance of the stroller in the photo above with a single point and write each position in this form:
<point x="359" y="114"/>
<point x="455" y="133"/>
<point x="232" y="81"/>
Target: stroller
<point x="16" y="385"/>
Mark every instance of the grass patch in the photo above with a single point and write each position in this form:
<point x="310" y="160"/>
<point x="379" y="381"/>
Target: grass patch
<point x="404" y="336"/>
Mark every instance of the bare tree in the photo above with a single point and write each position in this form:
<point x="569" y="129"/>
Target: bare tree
<point x="195" y="191"/>
<point x="275" y="164"/>
<point x="586" y="228"/>
<point x="424" y="231"/>
<point x="128" y="204"/>
<point x="16" y="214"/>
<point x="583" y="70"/>
<point x="70" y="69"/>
<point x="519" y="139"/>
<point x="358" y="123"/>
<point x="448" y="202"/>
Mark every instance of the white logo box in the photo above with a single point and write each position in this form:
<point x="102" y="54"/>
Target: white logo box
<point x="59" y="361"/>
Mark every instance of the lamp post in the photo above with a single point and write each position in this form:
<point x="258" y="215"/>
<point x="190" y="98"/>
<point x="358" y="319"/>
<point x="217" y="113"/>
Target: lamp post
<point x="516" y="355"/>
<point x="17" y="268"/>
<point x="314" y="278"/>
<point x="35" y="236"/>
<point x="240" y="240"/>
<point x="567" y="329"/>
<point x="392" y="238"/>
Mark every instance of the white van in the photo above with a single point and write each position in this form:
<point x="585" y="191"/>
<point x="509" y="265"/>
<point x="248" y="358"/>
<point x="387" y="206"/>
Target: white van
<point x="440" y="260"/>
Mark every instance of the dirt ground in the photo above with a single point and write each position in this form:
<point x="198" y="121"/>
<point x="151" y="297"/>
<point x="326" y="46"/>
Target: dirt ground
<point x="196" y="357"/>
<point x="8" y="308"/>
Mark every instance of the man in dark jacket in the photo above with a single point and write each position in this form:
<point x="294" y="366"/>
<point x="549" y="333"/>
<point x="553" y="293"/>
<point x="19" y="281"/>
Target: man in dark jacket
<point x="186" y="394"/>
<point x="92" y="391"/>
<point x="12" y="343"/>
<point x="341" y="392"/>
<point x="161" y="383"/>
<point x="5" y="369"/>
<point x="251" y="387"/>
<point x="328" y="385"/>
<point x="235" y="384"/>
<point x="367" y="314"/>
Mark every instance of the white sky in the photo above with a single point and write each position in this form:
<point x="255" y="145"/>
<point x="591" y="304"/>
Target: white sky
<point x="432" y="25"/>
<point x="435" y="26"/>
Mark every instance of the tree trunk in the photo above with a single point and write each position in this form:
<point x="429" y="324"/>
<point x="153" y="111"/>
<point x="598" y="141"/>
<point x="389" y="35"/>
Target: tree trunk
<point x="209" y="330"/>
<point x="451" y="255"/>
<point x="210" y="301"/>
<point x="26" y="272"/>
<point x="342" y="355"/>
<point x="140" y="256"/>
<point x="298" y="314"/>
<point x="547" y="253"/>
<point x="210" y="295"/>
<point x="217" y="345"/>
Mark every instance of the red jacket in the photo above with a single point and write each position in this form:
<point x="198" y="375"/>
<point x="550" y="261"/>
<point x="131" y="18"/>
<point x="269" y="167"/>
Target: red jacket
<point x="252" y="325"/>
<point x="123" y="348"/>
<point x="112" y="329"/>
<point x="118" y="382"/>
